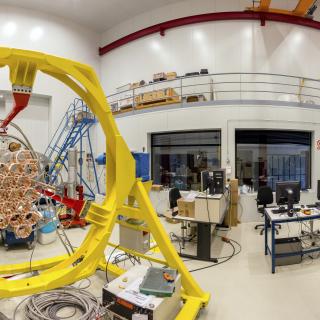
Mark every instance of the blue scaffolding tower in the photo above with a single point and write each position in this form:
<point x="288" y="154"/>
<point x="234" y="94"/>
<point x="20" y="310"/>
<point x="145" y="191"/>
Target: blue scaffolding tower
<point x="73" y="129"/>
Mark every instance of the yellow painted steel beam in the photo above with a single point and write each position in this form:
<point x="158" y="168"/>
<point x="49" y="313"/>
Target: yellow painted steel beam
<point x="35" y="265"/>
<point x="302" y="7"/>
<point x="130" y="212"/>
<point x="272" y="10"/>
<point x="111" y="268"/>
<point x="300" y="10"/>
<point x="140" y="255"/>
<point x="264" y="5"/>
<point x="190" y="309"/>
<point x="121" y="186"/>
<point x="133" y="226"/>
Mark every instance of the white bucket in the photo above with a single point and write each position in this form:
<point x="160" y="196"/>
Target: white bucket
<point x="47" y="238"/>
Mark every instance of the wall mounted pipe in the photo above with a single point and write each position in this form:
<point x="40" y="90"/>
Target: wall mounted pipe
<point x="207" y="17"/>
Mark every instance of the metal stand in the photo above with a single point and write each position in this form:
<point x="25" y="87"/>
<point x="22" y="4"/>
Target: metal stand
<point x="203" y="243"/>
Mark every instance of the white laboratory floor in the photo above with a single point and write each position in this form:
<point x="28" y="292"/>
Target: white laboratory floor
<point x="242" y="288"/>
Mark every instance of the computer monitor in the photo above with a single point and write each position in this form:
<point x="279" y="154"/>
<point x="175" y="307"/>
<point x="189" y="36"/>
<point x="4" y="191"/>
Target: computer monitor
<point x="288" y="192"/>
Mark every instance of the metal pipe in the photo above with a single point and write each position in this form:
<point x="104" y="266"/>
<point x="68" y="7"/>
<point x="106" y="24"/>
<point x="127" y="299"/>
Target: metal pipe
<point x="207" y="17"/>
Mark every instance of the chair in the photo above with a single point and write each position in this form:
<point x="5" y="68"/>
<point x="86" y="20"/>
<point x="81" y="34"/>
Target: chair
<point x="174" y="196"/>
<point x="264" y="197"/>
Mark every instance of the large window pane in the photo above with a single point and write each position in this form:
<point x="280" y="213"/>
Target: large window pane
<point x="179" y="157"/>
<point x="264" y="157"/>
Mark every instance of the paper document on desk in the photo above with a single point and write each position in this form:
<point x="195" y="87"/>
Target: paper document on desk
<point x="216" y="196"/>
<point x="132" y="294"/>
<point x="191" y="196"/>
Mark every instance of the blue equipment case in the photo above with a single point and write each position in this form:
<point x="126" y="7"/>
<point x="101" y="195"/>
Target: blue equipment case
<point x="11" y="240"/>
<point x="142" y="165"/>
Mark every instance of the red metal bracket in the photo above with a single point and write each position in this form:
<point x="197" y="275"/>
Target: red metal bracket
<point x="21" y="100"/>
<point x="74" y="204"/>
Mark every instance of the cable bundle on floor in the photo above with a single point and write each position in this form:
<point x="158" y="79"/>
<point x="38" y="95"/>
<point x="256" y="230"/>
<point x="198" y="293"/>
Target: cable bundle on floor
<point x="46" y="305"/>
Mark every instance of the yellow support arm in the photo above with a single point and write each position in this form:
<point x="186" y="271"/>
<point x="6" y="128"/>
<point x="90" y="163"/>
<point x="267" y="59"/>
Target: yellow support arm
<point x="302" y="7"/>
<point x="123" y="190"/>
<point x="300" y="10"/>
<point x="264" y="5"/>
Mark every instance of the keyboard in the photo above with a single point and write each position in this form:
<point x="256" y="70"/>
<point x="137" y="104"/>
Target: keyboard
<point x="314" y="205"/>
<point x="284" y="210"/>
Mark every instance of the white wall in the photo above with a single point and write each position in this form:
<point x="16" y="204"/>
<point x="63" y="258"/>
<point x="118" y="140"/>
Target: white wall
<point x="174" y="10"/>
<point x="136" y="130"/>
<point x="27" y="29"/>
<point x="225" y="46"/>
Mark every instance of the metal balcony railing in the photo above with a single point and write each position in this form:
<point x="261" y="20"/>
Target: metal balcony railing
<point x="218" y="87"/>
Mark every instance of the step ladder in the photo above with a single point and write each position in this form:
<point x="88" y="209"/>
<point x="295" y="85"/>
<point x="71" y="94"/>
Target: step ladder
<point x="73" y="128"/>
<point x="65" y="240"/>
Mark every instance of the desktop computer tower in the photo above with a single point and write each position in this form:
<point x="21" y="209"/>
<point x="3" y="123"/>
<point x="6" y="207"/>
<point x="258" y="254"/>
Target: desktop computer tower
<point x="288" y="245"/>
<point x="219" y="181"/>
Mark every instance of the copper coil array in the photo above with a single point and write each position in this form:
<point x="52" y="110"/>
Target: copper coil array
<point x="17" y="194"/>
<point x="23" y="230"/>
<point x="4" y="222"/>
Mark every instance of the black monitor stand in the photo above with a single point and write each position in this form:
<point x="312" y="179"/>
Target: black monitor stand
<point x="290" y="202"/>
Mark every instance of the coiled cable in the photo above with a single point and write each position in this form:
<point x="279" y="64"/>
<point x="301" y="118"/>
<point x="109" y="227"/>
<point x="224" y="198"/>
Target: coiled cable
<point x="47" y="305"/>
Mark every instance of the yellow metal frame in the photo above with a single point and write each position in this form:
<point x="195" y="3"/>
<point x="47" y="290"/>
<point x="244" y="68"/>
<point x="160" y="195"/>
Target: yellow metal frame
<point x="300" y="10"/>
<point x="121" y="186"/>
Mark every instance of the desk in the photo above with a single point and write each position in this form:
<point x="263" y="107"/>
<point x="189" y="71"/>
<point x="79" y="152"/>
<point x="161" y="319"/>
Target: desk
<point x="204" y="230"/>
<point x="211" y="208"/>
<point x="275" y="218"/>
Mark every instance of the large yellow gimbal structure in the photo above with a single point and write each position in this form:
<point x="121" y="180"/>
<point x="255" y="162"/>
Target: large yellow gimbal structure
<point x="122" y="187"/>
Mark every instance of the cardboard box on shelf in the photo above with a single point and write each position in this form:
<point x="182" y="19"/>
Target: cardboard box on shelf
<point x="148" y="96"/>
<point x="135" y="85"/>
<point x="186" y="207"/>
<point x="171" y="75"/>
<point x="157" y="187"/>
<point x="159" y="76"/>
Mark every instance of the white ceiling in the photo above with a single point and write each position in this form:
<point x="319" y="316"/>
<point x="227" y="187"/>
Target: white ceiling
<point x="98" y="15"/>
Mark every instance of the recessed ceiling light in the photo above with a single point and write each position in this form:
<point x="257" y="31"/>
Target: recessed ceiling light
<point x="155" y="45"/>
<point x="9" y="29"/>
<point x="198" y="35"/>
<point x="36" y="33"/>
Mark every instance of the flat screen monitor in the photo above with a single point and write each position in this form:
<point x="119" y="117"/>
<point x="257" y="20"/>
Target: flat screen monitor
<point x="284" y="188"/>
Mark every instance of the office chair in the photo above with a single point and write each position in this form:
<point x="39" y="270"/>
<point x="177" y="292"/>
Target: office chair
<point x="174" y="196"/>
<point x="264" y="197"/>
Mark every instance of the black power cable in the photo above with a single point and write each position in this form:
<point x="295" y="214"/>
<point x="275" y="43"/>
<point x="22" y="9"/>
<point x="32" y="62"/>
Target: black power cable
<point x="221" y="262"/>
<point x="231" y="242"/>
<point x="108" y="261"/>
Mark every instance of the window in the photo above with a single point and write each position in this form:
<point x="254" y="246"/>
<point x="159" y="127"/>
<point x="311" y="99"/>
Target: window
<point x="264" y="157"/>
<point x="179" y="157"/>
